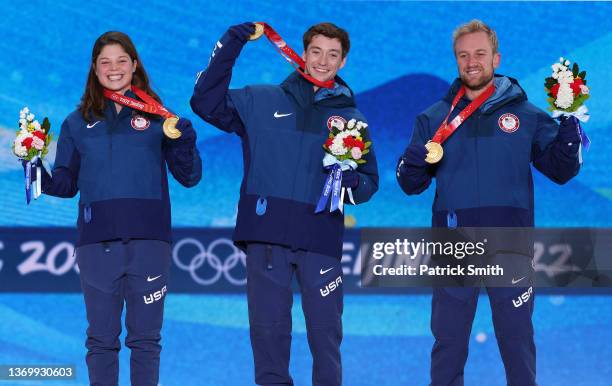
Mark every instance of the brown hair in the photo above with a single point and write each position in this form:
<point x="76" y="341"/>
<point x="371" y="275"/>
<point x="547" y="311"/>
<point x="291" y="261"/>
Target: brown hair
<point x="328" y="30"/>
<point x="92" y="101"/>
<point x="476" y="26"/>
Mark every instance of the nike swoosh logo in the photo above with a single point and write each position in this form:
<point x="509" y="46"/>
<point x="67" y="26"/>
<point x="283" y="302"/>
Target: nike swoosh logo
<point x="516" y="281"/>
<point x="90" y="125"/>
<point x="277" y="115"/>
<point x="149" y="278"/>
<point x="322" y="272"/>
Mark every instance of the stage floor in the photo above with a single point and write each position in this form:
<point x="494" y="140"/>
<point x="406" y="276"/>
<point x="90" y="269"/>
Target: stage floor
<point x="386" y="340"/>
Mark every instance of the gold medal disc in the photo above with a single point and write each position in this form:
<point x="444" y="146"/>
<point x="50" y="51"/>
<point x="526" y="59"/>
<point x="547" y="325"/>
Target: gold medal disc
<point x="170" y="129"/>
<point x="259" y="30"/>
<point x="434" y="152"/>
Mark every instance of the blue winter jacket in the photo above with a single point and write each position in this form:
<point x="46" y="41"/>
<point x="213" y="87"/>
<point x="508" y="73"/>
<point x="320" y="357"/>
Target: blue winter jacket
<point x="283" y="129"/>
<point x="484" y="178"/>
<point x="121" y="173"/>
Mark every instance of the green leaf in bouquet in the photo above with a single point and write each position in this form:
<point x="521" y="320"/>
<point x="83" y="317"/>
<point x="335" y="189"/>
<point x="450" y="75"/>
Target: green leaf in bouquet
<point x="46" y="125"/>
<point x="366" y="151"/>
<point x="551" y="103"/>
<point x="582" y="76"/>
<point x="367" y="144"/>
<point x="578" y="101"/>
<point x="32" y="153"/>
<point x="360" y="161"/>
<point x="550" y="82"/>
<point x="575" y="70"/>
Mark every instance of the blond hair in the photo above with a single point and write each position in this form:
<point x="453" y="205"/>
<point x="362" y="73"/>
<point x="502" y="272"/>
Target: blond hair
<point x="473" y="26"/>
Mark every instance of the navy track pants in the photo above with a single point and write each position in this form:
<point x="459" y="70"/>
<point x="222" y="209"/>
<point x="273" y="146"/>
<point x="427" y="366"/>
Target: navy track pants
<point x="115" y="273"/>
<point x="270" y="269"/>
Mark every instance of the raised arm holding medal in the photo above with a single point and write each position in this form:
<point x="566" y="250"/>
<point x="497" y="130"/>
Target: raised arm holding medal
<point x="490" y="135"/>
<point x="113" y="151"/>
<point x="284" y="129"/>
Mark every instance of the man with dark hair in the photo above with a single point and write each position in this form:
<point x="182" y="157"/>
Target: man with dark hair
<point x="283" y="129"/>
<point x="330" y="31"/>
<point x="483" y="179"/>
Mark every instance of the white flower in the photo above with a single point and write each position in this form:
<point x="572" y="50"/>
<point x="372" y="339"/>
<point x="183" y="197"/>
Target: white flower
<point x="23" y="124"/>
<point x="584" y="89"/>
<point x="30" y="117"/>
<point x="351" y="123"/>
<point x="22" y="115"/>
<point x="36" y="125"/>
<point x="19" y="149"/>
<point x="561" y="59"/>
<point x="338" y="148"/>
<point x="356" y="153"/>
<point x="364" y="125"/>
<point x="565" y="96"/>
<point x="567" y="62"/>
<point x="25" y="110"/>
<point x="565" y="77"/>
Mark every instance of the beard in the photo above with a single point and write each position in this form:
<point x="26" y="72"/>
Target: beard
<point x="476" y="84"/>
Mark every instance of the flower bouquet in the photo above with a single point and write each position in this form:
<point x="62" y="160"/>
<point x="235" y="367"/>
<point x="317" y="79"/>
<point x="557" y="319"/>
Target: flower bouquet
<point x="567" y="91"/>
<point x="31" y="144"/>
<point x="344" y="148"/>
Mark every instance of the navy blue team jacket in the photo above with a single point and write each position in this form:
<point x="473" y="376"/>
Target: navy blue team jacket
<point x="283" y="129"/>
<point x="484" y="177"/>
<point x="120" y="173"/>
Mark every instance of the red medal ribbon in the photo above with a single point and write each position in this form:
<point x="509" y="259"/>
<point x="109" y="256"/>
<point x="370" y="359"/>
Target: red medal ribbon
<point x="446" y="130"/>
<point x="150" y="105"/>
<point x="292" y="57"/>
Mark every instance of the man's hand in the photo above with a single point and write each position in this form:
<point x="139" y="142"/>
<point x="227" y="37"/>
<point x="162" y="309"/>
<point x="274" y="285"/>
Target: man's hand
<point x="350" y="179"/>
<point x="569" y="129"/>
<point x="242" y="31"/>
<point x="415" y="155"/>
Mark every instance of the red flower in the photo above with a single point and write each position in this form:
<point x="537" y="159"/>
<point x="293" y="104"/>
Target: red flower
<point x="329" y="142"/>
<point x="39" y="134"/>
<point x="348" y="142"/>
<point x="555" y="90"/>
<point x="576" y="86"/>
<point x="27" y="143"/>
<point x="351" y="142"/>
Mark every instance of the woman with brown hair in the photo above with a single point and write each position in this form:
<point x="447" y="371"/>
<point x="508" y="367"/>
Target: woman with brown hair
<point x="114" y="149"/>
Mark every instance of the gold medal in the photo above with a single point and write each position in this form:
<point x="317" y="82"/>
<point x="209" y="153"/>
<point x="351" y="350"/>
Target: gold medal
<point x="434" y="152"/>
<point x="170" y="129"/>
<point x="259" y="30"/>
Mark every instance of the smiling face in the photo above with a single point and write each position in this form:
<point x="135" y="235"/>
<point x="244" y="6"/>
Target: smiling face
<point x="323" y="58"/>
<point x="476" y="60"/>
<point x="114" y="68"/>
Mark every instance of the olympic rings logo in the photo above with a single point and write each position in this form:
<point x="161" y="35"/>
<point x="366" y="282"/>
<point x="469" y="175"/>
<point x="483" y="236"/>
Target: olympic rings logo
<point x="206" y="256"/>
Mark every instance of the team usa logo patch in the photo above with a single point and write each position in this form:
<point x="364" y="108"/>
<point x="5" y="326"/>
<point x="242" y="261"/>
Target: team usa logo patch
<point x="140" y="123"/>
<point x="508" y="123"/>
<point x="336" y="121"/>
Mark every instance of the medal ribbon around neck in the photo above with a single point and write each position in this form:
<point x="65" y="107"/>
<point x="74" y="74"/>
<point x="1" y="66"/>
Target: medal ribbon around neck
<point x="445" y="129"/>
<point x="150" y="106"/>
<point x="288" y="53"/>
